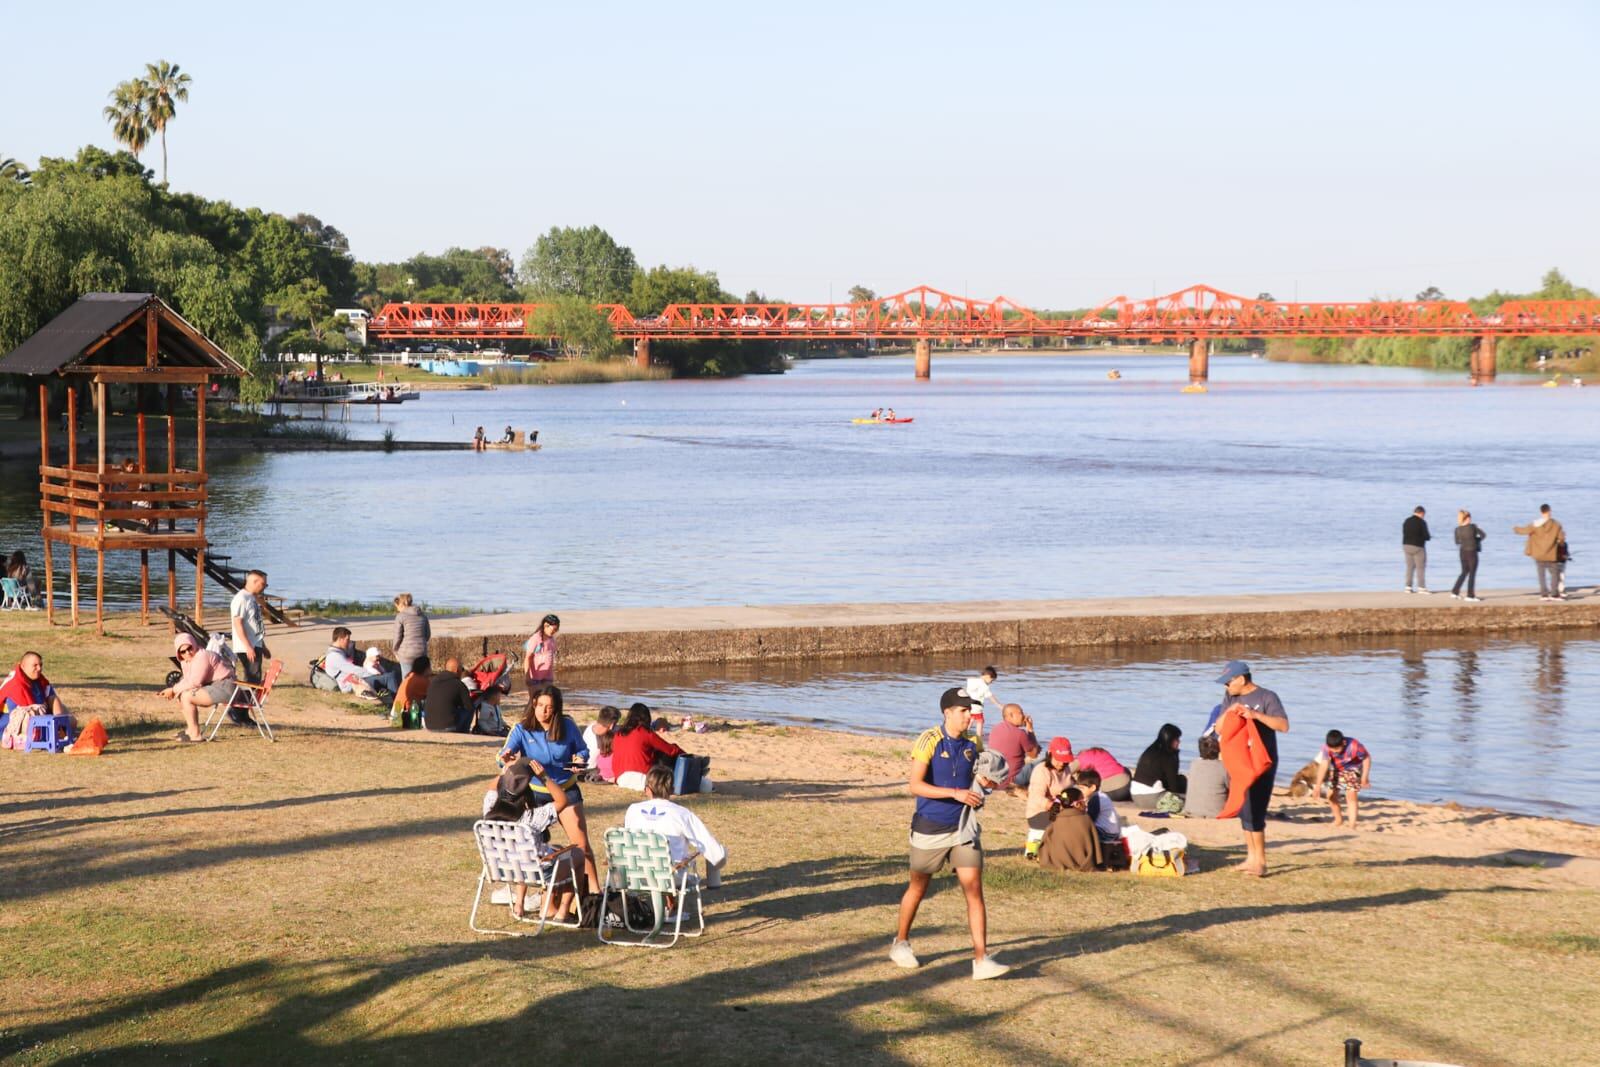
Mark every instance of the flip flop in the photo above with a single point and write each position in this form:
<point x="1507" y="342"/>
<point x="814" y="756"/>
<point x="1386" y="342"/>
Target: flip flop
<point x="187" y="740"/>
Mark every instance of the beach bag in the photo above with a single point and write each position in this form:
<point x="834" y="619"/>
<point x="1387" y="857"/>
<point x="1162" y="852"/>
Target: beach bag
<point x="1161" y="863"/>
<point x="92" y="741"/>
<point x="687" y="771"/>
<point x="321" y="679"/>
<point x="1170" y="803"/>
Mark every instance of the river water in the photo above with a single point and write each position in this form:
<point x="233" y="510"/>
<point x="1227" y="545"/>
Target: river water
<point x="1508" y="724"/>
<point x="1027" y="477"/>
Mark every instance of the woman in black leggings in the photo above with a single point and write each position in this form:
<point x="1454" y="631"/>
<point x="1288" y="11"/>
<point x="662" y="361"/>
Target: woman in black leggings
<point x="1468" y="539"/>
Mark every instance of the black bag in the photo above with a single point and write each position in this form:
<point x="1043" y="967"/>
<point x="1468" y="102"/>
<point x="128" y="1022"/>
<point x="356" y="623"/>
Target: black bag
<point x="639" y="912"/>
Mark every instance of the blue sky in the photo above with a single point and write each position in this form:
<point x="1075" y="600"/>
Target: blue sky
<point x="1057" y="153"/>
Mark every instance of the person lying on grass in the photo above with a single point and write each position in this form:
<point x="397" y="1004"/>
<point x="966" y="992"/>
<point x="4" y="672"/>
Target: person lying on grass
<point x="513" y="800"/>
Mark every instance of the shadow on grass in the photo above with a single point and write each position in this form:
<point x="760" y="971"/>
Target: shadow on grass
<point x="38" y="806"/>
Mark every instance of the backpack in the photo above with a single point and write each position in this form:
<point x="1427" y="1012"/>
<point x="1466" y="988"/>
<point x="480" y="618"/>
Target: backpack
<point x="321" y="679"/>
<point x="489" y="720"/>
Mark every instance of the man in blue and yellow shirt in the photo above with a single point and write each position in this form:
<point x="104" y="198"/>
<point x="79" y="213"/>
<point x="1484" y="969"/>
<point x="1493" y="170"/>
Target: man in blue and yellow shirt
<point x="942" y="779"/>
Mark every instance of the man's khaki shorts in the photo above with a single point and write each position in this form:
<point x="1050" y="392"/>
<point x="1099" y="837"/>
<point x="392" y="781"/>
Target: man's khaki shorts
<point x="932" y="860"/>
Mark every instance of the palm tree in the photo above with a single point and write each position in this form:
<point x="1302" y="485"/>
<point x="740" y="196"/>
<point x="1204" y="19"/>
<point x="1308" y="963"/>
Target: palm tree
<point x="165" y="88"/>
<point x="129" y="114"/>
<point x="12" y="171"/>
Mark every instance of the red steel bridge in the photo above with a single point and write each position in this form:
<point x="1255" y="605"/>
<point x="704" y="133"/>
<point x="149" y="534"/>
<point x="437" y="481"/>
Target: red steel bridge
<point x="924" y="315"/>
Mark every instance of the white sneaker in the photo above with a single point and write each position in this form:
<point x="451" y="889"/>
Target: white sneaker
<point x="1421" y="591"/>
<point x="988" y="967"/>
<point x="1407" y="589"/>
<point x="1474" y="599"/>
<point x="501" y="895"/>
<point x="900" y="952"/>
<point x="1455" y="596"/>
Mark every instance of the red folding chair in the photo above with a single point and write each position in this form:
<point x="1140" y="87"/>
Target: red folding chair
<point x="251" y="697"/>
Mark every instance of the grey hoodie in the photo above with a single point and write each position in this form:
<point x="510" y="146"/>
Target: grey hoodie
<point x="411" y="633"/>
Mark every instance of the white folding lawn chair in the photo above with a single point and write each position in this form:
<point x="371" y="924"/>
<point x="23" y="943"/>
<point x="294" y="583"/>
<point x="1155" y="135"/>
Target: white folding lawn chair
<point x="250" y="697"/>
<point x="13" y="597"/>
<point x="641" y="862"/>
<point x="511" y="856"/>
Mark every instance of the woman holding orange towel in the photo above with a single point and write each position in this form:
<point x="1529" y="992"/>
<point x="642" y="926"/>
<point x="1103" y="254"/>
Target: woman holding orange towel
<point x="1261" y="707"/>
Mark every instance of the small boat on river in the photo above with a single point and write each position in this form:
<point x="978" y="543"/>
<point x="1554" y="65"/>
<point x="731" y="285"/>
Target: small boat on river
<point x="881" y="422"/>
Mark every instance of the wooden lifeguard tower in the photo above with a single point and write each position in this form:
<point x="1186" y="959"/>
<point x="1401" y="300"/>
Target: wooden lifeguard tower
<point x="122" y="339"/>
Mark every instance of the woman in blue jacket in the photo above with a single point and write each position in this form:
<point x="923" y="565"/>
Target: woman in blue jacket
<point x="548" y="738"/>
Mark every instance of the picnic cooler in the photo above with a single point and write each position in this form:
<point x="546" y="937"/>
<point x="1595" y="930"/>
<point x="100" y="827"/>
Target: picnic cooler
<point x="687" y="771"/>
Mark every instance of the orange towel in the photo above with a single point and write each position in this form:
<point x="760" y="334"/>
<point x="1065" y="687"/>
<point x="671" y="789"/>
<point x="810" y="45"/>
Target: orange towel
<point x="1243" y="755"/>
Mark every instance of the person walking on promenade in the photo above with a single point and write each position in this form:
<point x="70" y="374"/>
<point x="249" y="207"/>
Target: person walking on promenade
<point x="1469" y="539"/>
<point x="412" y="632"/>
<point x="1266" y="710"/>
<point x="1414" y="538"/>
<point x="1546" y="545"/>
<point x="249" y="632"/>
<point x="945" y="782"/>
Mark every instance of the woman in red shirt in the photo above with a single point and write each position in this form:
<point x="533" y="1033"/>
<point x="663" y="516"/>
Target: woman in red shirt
<point x="635" y="748"/>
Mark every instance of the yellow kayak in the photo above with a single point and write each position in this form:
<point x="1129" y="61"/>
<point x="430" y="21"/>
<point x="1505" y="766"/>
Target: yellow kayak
<point x="881" y="422"/>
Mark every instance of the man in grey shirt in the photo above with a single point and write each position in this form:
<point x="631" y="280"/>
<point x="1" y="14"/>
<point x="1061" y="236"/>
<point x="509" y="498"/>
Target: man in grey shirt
<point x="249" y="632"/>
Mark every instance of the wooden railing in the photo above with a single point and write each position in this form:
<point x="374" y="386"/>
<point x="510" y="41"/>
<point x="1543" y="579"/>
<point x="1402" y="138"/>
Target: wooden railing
<point x="157" y="500"/>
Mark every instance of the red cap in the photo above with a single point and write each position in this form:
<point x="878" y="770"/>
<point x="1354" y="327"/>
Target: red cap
<point x="1061" y="749"/>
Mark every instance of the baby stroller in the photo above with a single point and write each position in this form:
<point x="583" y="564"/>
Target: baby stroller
<point x="488" y="681"/>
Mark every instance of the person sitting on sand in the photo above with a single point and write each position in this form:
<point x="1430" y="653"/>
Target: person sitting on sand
<point x="687" y="837"/>
<point x="207" y="680"/>
<point x="447" y="706"/>
<point x="352" y="677"/>
<point x="636" y="748"/>
<point x="1070" y="842"/>
<point x="1114" y="777"/>
<point x="1157" y="771"/>
<point x="1347" y="766"/>
<point x="514" y="800"/>
<point x="1208" y="781"/>
<point x="23" y="693"/>
<point x="1049" y="780"/>
<point x="599" y="737"/>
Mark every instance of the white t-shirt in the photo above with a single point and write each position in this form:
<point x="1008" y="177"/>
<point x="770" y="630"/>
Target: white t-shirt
<point x="247" y="609"/>
<point x="680" y="826"/>
<point x="981" y="694"/>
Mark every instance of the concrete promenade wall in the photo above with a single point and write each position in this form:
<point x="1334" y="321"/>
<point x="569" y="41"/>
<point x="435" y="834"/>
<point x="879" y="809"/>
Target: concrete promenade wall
<point x="662" y="636"/>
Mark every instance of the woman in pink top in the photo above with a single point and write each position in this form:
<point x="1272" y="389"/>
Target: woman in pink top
<point x="539" y="655"/>
<point x="1049" y="780"/>
<point x="1114" y="777"/>
<point x="207" y="680"/>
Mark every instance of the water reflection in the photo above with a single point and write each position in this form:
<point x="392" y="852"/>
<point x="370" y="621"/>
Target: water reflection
<point x="1497" y="734"/>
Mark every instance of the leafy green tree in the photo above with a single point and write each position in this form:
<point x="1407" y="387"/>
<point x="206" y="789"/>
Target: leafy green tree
<point x="572" y="261"/>
<point x="313" y="327"/>
<point x="165" y="88"/>
<point x="583" y="330"/>
<point x="1432" y="292"/>
<point x="860" y="294"/>
<point x="129" y="114"/>
<point x="94" y="162"/>
<point x="657" y="287"/>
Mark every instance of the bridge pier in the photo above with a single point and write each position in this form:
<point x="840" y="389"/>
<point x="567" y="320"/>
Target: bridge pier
<point x="924" y="350"/>
<point x="641" y="352"/>
<point x="1484" y="359"/>
<point x="1199" y="361"/>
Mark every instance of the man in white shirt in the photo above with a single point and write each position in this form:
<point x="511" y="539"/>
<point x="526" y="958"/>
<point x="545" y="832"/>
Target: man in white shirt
<point x="978" y="689"/>
<point x="352" y="677"/>
<point x="249" y="632"/>
<point x="686" y="835"/>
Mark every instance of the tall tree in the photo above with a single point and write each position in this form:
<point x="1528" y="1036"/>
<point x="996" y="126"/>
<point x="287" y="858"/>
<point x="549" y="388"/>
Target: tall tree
<point x="165" y="87"/>
<point x="860" y="294"/>
<point x="1432" y="292"/>
<point x="129" y="114"/>
<point x="572" y="261"/>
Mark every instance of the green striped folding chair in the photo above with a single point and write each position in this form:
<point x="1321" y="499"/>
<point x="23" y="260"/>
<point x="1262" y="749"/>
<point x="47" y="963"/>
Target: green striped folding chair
<point x="511" y="855"/>
<point x="641" y="862"/>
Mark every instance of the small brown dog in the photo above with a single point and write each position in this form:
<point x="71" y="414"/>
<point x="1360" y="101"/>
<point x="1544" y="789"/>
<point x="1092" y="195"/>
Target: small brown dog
<point x="1304" y="780"/>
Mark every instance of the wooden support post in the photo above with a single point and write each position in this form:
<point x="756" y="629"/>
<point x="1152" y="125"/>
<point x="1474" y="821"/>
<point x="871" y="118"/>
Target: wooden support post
<point x="144" y="587"/>
<point x="641" y="353"/>
<point x="100" y="511"/>
<point x="1199" y="361"/>
<point x="44" y="461"/>
<point x="924" y="351"/>
<point x="200" y="523"/>
<point x="72" y="521"/>
<point x="72" y="579"/>
<point x="144" y="455"/>
<point x="172" y="588"/>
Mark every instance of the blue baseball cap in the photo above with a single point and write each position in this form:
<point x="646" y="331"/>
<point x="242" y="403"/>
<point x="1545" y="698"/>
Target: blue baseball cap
<point x="1234" y="669"/>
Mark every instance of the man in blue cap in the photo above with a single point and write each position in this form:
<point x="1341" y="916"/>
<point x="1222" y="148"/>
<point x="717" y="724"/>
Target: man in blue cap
<point x="1263" y="707"/>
